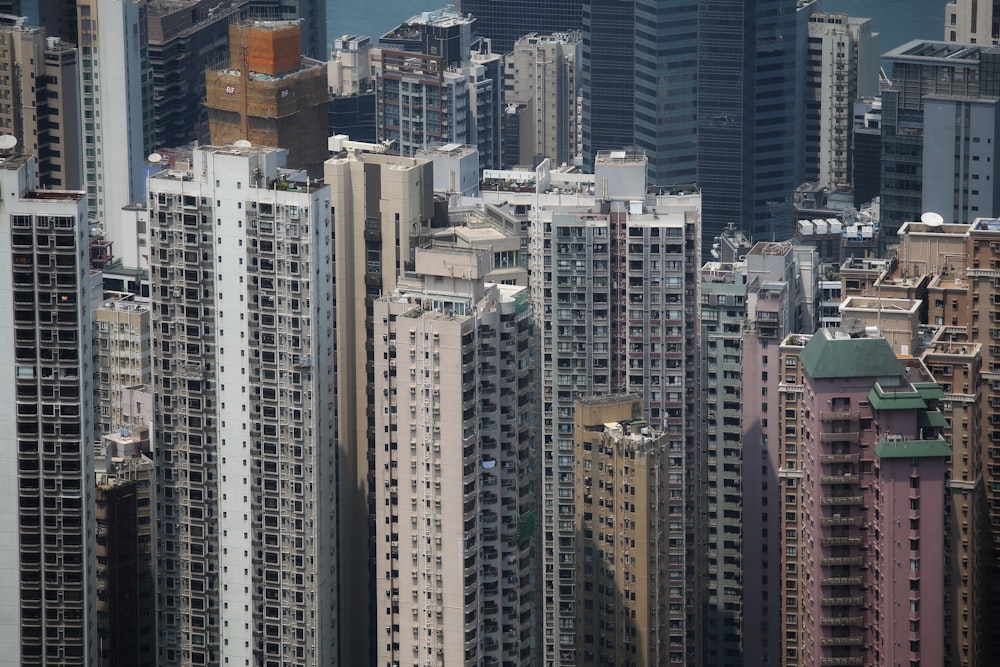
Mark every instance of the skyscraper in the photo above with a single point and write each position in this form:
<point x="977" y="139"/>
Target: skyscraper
<point x="969" y="22"/>
<point x="842" y="67"/>
<point x="382" y="206"/>
<point x="503" y="23"/>
<point x="620" y="283"/>
<point x="920" y="69"/>
<point x="543" y="74"/>
<point x="875" y="469"/>
<point x="185" y="39"/>
<point x="44" y="92"/>
<point x="432" y="87"/>
<point x="47" y="591"/>
<point x="630" y="518"/>
<point x="311" y="14"/>
<point x="705" y="89"/>
<point x="746" y="143"/>
<point x="242" y="297"/>
<point x="456" y="435"/>
<point x="117" y="125"/>
<point x="608" y="78"/>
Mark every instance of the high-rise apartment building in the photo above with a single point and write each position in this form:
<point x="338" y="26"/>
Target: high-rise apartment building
<point x="503" y="23"/>
<point x="455" y="432"/>
<point x="122" y="356"/>
<point x="785" y="442"/>
<point x="185" y="39"/>
<point x="432" y="86"/>
<point x="630" y="550"/>
<point x="352" y="92"/>
<point x="126" y="559"/>
<point x="747" y="308"/>
<point x="843" y="67"/>
<point x="117" y="120"/>
<point x="613" y="273"/>
<point x="874" y="464"/>
<point x="47" y="594"/>
<point x="242" y="299"/>
<point x="270" y="94"/>
<point x="382" y="207"/>
<point x="620" y="280"/>
<point x="44" y="92"/>
<point x="542" y="73"/>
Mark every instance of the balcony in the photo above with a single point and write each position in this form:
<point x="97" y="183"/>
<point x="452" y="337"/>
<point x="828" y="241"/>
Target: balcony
<point x="828" y="501"/>
<point x="839" y="479"/>
<point x="841" y="560"/>
<point x="841" y="541"/>
<point x="840" y="581"/>
<point x="842" y="621"/>
<point x="840" y="521"/>
<point x="841" y="641"/>
<point x="853" y="601"/>
<point x="836" y="662"/>
<point x="844" y="436"/>
<point x="839" y="458"/>
<point x="839" y="415"/>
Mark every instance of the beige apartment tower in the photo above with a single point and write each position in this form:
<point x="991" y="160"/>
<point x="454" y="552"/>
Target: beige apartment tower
<point x="630" y="548"/>
<point x="43" y="90"/>
<point x="455" y="433"/>
<point x="123" y="356"/>
<point x="381" y="205"/>
<point x="543" y="74"/>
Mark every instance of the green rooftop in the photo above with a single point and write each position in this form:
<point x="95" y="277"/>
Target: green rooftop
<point x="931" y="419"/>
<point x="912" y="449"/>
<point x="929" y="390"/>
<point x="827" y="357"/>
<point x="895" y="400"/>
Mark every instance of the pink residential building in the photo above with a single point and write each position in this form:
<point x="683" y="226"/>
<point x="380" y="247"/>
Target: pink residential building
<point x="873" y="500"/>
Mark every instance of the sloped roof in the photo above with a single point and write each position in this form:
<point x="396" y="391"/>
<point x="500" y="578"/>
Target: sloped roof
<point x="912" y="449"/>
<point x="827" y="357"/>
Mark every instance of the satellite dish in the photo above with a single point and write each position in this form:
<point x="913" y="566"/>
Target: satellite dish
<point x="154" y="158"/>
<point x="853" y="325"/>
<point x="7" y="142"/>
<point x="932" y="219"/>
<point x="242" y="143"/>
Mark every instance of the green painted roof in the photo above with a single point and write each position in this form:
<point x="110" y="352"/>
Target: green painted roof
<point x="912" y="449"/>
<point x="929" y="390"/>
<point x="895" y="400"/>
<point x="931" y="418"/>
<point x="828" y="357"/>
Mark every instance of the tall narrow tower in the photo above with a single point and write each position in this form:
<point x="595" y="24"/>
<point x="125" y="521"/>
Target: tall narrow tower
<point x="382" y="205"/>
<point x="243" y="337"/>
<point x="455" y="433"/>
<point x="47" y="556"/>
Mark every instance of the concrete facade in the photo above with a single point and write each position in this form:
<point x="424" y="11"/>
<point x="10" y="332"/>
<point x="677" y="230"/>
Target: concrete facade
<point x="245" y="388"/>
<point x="543" y="74"/>
<point x="48" y="596"/>
<point x="455" y="431"/>
<point x="637" y="536"/>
